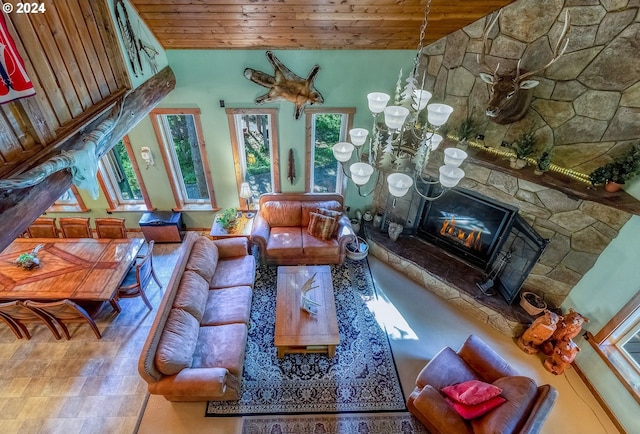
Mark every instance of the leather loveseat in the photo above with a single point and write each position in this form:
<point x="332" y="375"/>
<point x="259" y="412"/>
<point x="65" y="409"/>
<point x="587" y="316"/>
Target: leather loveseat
<point x="525" y="410"/>
<point x="196" y="346"/>
<point x="280" y="229"/>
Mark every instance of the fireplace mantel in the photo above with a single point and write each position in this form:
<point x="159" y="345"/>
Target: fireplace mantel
<point x="574" y="189"/>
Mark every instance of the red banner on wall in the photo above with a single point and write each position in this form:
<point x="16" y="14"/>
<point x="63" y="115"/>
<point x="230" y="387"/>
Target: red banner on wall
<point x="14" y="82"/>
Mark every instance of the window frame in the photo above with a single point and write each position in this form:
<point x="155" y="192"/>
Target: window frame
<point x="113" y="198"/>
<point x="238" y="161"/>
<point x="79" y="206"/>
<point x="309" y="114"/>
<point x="606" y="341"/>
<point x="182" y="203"/>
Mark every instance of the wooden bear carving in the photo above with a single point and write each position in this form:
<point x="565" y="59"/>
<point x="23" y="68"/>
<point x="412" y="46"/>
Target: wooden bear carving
<point x="564" y="353"/>
<point x="285" y="85"/>
<point x="542" y="328"/>
<point x="568" y="328"/>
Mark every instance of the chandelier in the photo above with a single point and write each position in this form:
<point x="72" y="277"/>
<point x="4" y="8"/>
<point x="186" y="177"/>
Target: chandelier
<point x="400" y="147"/>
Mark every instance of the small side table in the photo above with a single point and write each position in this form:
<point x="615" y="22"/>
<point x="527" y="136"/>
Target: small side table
<point x="242" y="229"/>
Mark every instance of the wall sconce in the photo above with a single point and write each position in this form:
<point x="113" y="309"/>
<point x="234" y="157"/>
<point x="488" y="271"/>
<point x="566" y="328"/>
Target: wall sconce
<point x="145" y="153"/>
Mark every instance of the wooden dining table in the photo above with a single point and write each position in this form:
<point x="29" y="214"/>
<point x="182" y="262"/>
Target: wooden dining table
<point x="80" y="269"/>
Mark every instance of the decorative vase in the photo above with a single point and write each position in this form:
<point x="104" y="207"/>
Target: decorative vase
<point x="612" y="187"/>
<point x="355" y="224"/>
<point x="377" y="220"/>
<point x="367" y="217"/>
<point x="395" y="229"/>
<point x="532" y="303"/>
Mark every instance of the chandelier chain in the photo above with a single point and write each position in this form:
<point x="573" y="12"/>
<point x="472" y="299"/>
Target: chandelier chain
<point x="423" y="29"/>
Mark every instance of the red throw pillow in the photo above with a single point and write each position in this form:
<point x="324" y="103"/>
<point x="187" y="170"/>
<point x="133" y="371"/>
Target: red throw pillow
<point x="471" y="392"/>
<point x="473" y="411"/>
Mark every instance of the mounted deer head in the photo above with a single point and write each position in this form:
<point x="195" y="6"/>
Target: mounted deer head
<point x="509" y="93"/>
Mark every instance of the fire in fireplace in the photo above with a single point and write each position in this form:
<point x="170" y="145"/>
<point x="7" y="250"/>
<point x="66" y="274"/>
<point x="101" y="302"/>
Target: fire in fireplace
<point x="483" y="232"/>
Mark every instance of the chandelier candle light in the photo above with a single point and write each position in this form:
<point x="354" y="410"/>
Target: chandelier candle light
<point x="402" y="144"/>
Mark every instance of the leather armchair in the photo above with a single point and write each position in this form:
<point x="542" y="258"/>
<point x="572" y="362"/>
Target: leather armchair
<point x="525" y="410"/>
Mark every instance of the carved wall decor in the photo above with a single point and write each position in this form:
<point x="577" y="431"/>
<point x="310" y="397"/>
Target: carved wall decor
<point x="285" y="85"/>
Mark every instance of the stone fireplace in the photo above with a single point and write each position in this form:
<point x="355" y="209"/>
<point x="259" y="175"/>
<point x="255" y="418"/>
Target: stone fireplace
<point x="577" y="231"/>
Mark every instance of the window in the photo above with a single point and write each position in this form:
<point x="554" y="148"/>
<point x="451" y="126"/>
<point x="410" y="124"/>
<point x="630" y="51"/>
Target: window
<point x="254" y="137"/>
<point x="179" y="132"/>
<point x="120" y="179"/>
<point x="325" y="128"/>
<point x="70" y="201"/>
<point x="618" y="343"/>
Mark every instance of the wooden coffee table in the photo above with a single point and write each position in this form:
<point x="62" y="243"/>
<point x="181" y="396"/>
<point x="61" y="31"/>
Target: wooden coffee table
<point x="298" y="331"/>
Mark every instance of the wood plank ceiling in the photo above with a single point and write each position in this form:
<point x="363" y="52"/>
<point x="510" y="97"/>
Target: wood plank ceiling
<point x="306" y="24"/>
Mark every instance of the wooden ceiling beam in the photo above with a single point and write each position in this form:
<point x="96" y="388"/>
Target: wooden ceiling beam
<point x="22" y="206"/>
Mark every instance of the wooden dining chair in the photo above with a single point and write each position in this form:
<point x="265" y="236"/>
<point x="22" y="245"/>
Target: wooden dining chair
<point x="18" y="313"/>
<point x="110" y="227"/>
<point x="12" y="325"/>
<point x="43" y="227"/>
<point x="137" y="279"/>
<point x="66" y="311"/>
<point x="75" y="227"/>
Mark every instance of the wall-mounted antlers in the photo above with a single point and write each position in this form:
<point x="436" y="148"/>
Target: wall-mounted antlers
<point x="285" y="85"/>
<point x="509" y="93"/>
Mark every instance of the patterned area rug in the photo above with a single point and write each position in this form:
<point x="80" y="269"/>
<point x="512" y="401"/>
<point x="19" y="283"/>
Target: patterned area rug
<point x="361" y="377"/>
<point x="402" y="423"/>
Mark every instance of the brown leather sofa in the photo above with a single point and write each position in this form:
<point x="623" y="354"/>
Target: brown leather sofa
<point x="196" y="346"/>
<point x="280" y="229"/>
<point x="525" y="410"/>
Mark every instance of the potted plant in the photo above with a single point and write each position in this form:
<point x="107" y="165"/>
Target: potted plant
<point x="544" y="163"/>
<point x="532" y="303"/>
<point x="523" y="147"/>
<point x="29" y="260"/>
<point x="228" y="218"/>
<point x="614" y="174"/>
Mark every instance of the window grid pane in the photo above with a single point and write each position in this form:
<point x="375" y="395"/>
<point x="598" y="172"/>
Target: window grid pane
<point x="184" y="149"/>
<point x="254" y="141"/>
<point x="121" y="175"/>
<point x="328" y="129"/>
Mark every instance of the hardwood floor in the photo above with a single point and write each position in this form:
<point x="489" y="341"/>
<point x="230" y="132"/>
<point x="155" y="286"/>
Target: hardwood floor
<point x="85" y="384"/>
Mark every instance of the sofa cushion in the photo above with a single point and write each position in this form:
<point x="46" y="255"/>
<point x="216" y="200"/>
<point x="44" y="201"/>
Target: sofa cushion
<point x="221" y="346"/>
<point x="476" y="410"/>
<point x="446" y="368"/>
<point x="192" y="294"/>
<point x="177" y="343"/>
<point x="234" y="272"/>
<point x="312" y="246"/>
<point x="203" y="258"/>
<point x="313" y="205"/>
<point x="471" y="392"/>
<point x="321" y="226"/>
<point x="227" y="306"/>
<point x="285" y="242"/>
<point x="331" y="213"/>
<point x="285" y="213"/>
<point x="520" y="393"/>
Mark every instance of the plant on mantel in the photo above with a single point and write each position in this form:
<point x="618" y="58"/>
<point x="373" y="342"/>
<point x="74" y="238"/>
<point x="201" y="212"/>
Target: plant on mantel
<point x="623" y="168"/>
<point x="524" y="147"/>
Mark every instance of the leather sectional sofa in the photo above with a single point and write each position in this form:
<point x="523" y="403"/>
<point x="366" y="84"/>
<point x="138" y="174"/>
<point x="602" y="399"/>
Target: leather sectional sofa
<point x="280" y="229"/>
<point x="196" y="346"/>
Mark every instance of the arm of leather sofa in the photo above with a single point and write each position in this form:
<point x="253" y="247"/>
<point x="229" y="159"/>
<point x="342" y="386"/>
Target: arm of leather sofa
<point x="206" y="382"/>
<point x="260" y="232"/>
<point x="232" y="247"/>
<point x="488" y="364"/>
<point x="435" y="413"/>
<point x="545" y="399"/>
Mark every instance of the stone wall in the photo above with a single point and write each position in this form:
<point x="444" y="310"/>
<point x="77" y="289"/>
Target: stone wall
<point x="587" y="104"/>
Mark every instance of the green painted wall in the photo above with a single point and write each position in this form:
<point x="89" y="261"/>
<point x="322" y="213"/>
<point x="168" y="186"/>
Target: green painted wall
<point x="599" y="295"/>
<point x="203" y="77"/>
